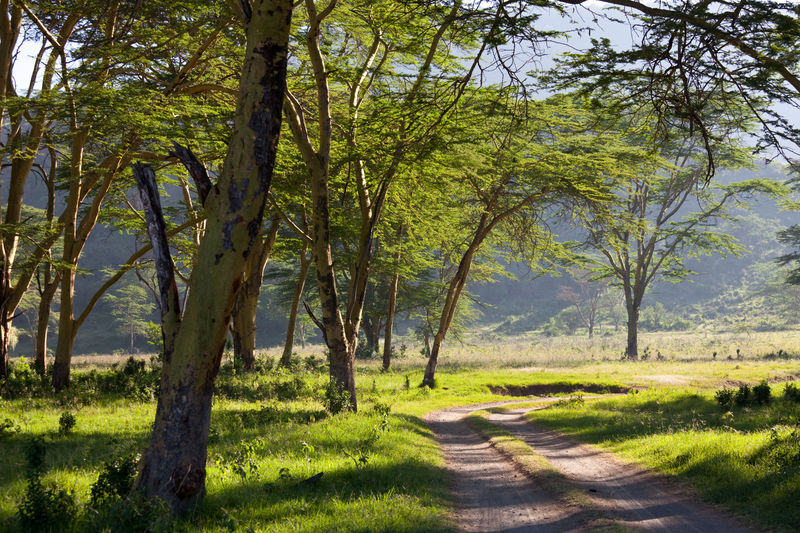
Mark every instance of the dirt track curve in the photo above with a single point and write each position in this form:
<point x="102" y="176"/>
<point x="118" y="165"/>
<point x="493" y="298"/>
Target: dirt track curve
<point x="494" y="497"/>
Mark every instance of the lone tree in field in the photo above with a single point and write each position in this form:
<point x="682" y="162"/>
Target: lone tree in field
<point x="174" y="464"/>
<point x="666" y="213"/>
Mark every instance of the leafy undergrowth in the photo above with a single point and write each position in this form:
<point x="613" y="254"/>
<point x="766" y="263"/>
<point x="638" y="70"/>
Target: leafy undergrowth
<point x="746" y="458"/>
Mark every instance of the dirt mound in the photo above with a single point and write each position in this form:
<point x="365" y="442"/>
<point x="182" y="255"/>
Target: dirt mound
<point x="548" y="389"/>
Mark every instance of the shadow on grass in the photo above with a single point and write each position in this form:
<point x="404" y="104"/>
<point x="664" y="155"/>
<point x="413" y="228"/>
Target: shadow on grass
<point x="760" y="479"/>
<point x="408" y="495"/>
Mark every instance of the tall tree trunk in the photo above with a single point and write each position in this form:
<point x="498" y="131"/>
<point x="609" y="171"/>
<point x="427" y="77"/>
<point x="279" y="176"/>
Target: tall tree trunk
<point x="451" y="300"/>
<point x="305" y="263"/>
<point x="245" y="307"/>
<point x="174" y="464"/>
<point x="632" y="349"/>
<point x="387" y="333"/>
<point x="43" y="320"/>
<point x="372" y="333"/>
<point x="66" y="332"/>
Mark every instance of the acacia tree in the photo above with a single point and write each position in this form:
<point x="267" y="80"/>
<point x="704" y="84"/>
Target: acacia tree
<point x="688" y="50"/>
<point x="377" y="57"/>
<point x="24" y="120"/>
<point x="667" y="212"/>
<point x="174" y="464"/>
<point x="586" y="299"/>
<point x="107" y="116"/>
<point x="130" y="307"/>
<point x="537" y="155"/>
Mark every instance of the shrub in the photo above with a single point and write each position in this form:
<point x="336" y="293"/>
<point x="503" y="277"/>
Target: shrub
<point x="762" y="394"/>
<point x="115" y="480"/>
<point x="363" y="351"/>
<point x="8" y="427"/>
<point x="337" y="398"/>
<point x="288" y="390"/>
<point x="23" y="381"/>
<point x="742" y="397"/>
<point x="782" y="454"/>
<point x="44" y="508"/>
<point x="725" y="398"/>
<point x="791" y="392"/>
<point x="66" y="423"/>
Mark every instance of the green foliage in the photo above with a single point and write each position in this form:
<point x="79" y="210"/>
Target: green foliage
<point x="66" y="422"/>
<point x="781" y="455"/>
<point x="44" y="508"/>
<point x="743" y="396"/>
<point x="791" y="392"/>
<point x="23" y="381"/>
<point x="115" y="481"/>
<point x="131" y="308"/>
<point x="725" y="398"/>
<point x="762" y="393"/>
<point x="337" y="398"/>
<point x="8" y="427"/>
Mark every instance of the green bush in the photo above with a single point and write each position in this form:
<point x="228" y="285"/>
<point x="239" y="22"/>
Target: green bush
<point x="762" y="394"/>
<point x="791" y="392"/>
<point x="115" y="480"/>
<point x="23" y="381"/>
<point x="725" y="398"/>
<point x="337" y="398"/>
<point x="44" y="508"/>
<point x="8" y="427"/>
<point x="66" y="423"/>
<point x="742" y="397"/>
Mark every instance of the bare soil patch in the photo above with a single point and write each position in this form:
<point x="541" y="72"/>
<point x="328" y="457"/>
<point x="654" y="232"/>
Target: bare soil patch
<point x="549" y="389"/>
<point x="492" y="496"/>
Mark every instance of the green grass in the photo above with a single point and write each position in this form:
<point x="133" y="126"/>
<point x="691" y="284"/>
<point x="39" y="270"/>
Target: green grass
<point x="735" y="458"/>
<point x="401" y="486"/>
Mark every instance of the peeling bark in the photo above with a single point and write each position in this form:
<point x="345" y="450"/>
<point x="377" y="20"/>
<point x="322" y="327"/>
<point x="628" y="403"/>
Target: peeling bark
<point x="174" y="464"/>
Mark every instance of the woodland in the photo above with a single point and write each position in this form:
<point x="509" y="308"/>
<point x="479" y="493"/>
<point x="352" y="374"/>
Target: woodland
<point x="356" y="180"/>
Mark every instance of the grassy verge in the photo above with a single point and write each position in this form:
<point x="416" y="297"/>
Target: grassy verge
<point x="746" y="459"/>
<point x="382" y="469"/>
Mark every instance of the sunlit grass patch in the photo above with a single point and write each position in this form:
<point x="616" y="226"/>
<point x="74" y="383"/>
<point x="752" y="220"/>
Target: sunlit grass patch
<point x="747" y="459"/>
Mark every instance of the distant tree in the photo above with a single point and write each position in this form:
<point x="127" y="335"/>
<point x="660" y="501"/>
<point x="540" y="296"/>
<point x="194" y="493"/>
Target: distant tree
<point x="666" y="211"/>
<point x="529" y="159"/>
<point x="131" y="307"/>
<point x="586" y="299"/>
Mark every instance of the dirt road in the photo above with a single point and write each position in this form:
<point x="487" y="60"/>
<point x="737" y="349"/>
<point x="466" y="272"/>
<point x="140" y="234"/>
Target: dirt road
<point x="494" y="497"/>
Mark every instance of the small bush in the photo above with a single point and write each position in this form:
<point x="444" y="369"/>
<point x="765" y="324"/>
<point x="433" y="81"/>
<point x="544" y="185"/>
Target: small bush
<point x="725" y="398"/>
<point x="363" y="351"/>
<point x="115" y="480"/>
<point x="742" y="397"/>
<point x="66" y="423"/>
<point x="44" y="508"/>
<point x="781" y="455"/>
<point x="337" y="398"/>
<point x="762" y="394"/>
<point x="8" y="427"/>
<point x="791" y="392"/>
<point x="289" y="390"/>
